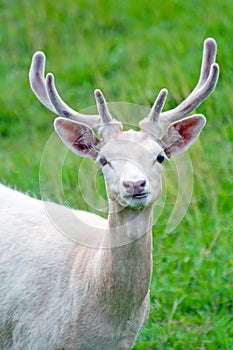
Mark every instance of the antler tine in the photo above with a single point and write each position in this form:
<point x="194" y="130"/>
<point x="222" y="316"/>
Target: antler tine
<point x="63" y="110"/>
<point x="151" y="123"/>
<point x="208" y="58"/>
<point x="206" y="84"/>
<point x="109" y="126"/>
<point x="158" y="106"/>
<point x="102" y="107"/>
<point x="37" y="82"/>
<point x="46" y="92"/>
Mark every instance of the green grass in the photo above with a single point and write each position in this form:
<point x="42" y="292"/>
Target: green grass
<point x="130" y="50"/>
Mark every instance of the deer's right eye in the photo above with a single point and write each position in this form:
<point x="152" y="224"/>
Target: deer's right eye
<point x="103" y="161"/>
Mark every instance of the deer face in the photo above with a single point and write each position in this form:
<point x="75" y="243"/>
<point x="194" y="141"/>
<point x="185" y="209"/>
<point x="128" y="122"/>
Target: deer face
<point x="132" y="164"/>
<point x="131" y="161"/>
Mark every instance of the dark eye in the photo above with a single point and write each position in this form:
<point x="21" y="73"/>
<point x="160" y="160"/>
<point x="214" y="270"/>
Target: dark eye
<point x="103" y="161"/>
<point x="160" y="158"/>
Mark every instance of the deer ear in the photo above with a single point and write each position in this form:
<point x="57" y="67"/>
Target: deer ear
<point x="182" y="134"/>
<point x="78" y="137"/>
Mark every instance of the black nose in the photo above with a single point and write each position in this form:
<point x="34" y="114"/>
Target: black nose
<point x="134" y="187"/>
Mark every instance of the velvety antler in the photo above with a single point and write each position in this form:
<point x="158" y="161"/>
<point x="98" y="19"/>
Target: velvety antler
<point x="151" y="124"/>
<point x="109" y="126"/>
<point x="102" y="107"/>
<point x="206" y="84"/>
<point x="45" y="91"/>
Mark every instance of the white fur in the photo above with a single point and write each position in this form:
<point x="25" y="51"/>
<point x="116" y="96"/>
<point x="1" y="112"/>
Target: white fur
<point x="70" y="279"/>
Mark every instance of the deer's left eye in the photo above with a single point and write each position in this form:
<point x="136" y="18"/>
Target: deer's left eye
<point x="161" y="158"/>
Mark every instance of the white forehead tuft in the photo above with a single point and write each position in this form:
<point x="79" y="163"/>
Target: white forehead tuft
<point x="131" y="143"/>
<point x="141" y="138"/>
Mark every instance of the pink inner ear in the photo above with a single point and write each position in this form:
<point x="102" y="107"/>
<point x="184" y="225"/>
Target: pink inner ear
<point x="189" y="128"/>
<point x="77" y="136"/>
<point x="182" y="134"/>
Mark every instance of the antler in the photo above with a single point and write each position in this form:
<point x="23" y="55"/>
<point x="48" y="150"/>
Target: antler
<point x="206" y="84"/>
<point x="102" y="107"/>
<point x="45" y="91"/>
<point x="151" y="124"/>
<point x="110" y="126"/>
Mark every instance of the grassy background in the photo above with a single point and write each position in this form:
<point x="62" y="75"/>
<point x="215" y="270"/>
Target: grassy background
<point x="130" y="50"/>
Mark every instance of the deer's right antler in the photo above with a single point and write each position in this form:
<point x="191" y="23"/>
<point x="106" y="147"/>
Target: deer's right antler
<point x="45" y="91"/>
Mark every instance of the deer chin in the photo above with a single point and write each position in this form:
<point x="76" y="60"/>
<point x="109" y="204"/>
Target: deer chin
<point x="137" y="201"/>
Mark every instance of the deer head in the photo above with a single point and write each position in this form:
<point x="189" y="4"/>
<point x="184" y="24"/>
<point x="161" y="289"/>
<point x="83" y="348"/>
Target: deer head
<point x="131" y="161"/>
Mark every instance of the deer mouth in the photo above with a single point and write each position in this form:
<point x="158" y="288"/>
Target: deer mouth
<point x="140" y="195"/>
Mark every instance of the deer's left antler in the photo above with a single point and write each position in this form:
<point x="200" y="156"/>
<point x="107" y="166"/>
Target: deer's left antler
<point x="205" y="86"/>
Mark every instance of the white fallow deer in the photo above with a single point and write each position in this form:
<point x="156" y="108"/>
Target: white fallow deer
<point x="58" y="294"/>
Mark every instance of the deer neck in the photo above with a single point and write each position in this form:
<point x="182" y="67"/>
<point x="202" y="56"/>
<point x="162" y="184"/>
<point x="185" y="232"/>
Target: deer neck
<point x="127" y="225"/>
<point x="130" y="257"/>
